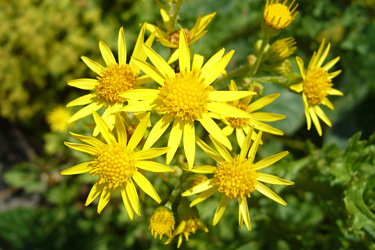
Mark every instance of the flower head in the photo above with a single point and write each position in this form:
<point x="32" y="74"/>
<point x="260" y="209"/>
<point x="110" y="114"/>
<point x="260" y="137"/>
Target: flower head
<point x="277" y="16"/>
<point x="281" y="49"/>
<point x="113" y="79"/>
<point x="317" y="86"/>
<point x="117" y="164"/>
<point x="185" y="97"/>
<point x="236" y="177"/>
<point x="57" y="119"/>
<point x="162" y="222"/>
<point x="242" y="125"/>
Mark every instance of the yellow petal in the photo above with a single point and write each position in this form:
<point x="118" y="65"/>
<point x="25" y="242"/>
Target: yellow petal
<point x="153" y="166"/>
<point x="85" y="111"/>
<point x="83" y="100"/>
<point x="94" y="66"/>
<point x="83" y="148"/>
<point x="270" y="160"/>
<point x="217" y="69"/>
<point x="245" y="212"/>
<point x="143" y="79"/>
<point x="121" y="47"/>
<point x="78" y="169"/>
<point x="141" y="94"/>
<point x="150" y="70"/>
<point x="108" y="117"/>
<point x="269" y="193"/>
<point x="121" y="130"/>
<point x="89" y="140"/>
<point x="146" y="186"/>
<point x="254" y="148"/>
<point x="240" y="136"/>
<point x="221" y="149"/>
<point x="174" y="138"/>
<point x="267" y="117"/>
<point x="197" y="63"/>
<point x="150" y="153"/>
<point x="331" y="63"/>
<point x="264" y="101"/>
<point x="213" y="129"/>
<point x="126" y="201"/>
<point x="199" y="188"/>
<point x="323" y="56"/>
<point x="83" y="83"/>
<point x="174" y="57"/>
<point x="319" y="112"/>
<point x="271" y="179"/>
<point x="228" y="130"/>
<point x="138" y="49"/>
<point x="220" y="209"/>
<point x="189" y="142"/>
<point x="159" y="62"/>
<point x="104" y="198"/>
<point x="94" y="192"/>
<point x="203" y="196"/>
<point x="297" y="87"/>
<point x="226" y="96"/>
<point x="142" y="106"/>
<point x="211" y="62"/>
<point x="139" y="132"/>
<point x="158" y="130"/>
<point x="208" y="150"/>
<point x="202" y="169"/>
<point x="104" y="129"/>
<point x="106" y="54"/>
<point x="315" y="120"/>
<point x="246" y="144"/>
<point x="133" y="196"/>
<point x="334" y="92"/>
<point x="267" y="128"/>
<point x="334" y="74"/>
<point x="301" y="67"/>
<point x="184" y="53"/>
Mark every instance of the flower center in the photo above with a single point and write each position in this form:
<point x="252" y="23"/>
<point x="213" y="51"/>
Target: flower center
<point x="239" y="122"/>
<point x="174" y="37"/>
<point x="191" y="226"/>
<point x="184" y="95"/>
<point x="235" y="179"/>
<point x="162" y="222"/>
<point x="115" y="165"/>
<point x="277" y="16"/>
<point x="316" y="84"/>
<point x="115" y="79"/>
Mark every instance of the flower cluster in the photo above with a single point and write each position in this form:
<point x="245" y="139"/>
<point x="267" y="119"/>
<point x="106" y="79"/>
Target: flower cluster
<point x="189" y="106"/>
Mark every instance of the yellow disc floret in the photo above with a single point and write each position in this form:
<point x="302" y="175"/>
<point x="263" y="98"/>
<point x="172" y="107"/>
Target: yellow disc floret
<point x="115" y="79"/>
<point x="184" y="95"/>
<point x="239" y="122"/>
<point x="236" y="179"/>
<point x="278" y="16"/>
<point x="115" y="165"/>
<point x="162" y="222"/>
<point x="174" y="37"/>
<point x="316" y="85"/>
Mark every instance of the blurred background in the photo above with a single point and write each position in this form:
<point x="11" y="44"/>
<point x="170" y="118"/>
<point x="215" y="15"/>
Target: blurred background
<point x="332" y="204"/>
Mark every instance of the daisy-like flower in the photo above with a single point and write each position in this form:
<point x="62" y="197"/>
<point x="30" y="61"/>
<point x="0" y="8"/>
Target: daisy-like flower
<point x="277" y="16"/>
<point x="316" y="86"/>
<point x="112" y="80"/>
<point x="185" y="97"/>
<point x="117" y="164"/>
<point x="189" y="222"/>
<point x="236" y="177"/>
<point x="162" y="222"/>
<point x="281" y="49"/>
<point x="57" y="119"/>
<point x="170" y="38"/>
<point x="242" y="125"/>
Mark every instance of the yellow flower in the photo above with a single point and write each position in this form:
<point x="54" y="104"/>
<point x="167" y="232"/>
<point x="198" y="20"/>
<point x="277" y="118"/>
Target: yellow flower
<point x="188" y="225"/>
<point x="113" y="79"/>
<point x="170" y="37"/>
<point x="57" y="119"/>
<point x="316" y="86"/>
<point x="277" y="16"/>
<point x="281" y="50"/>
<point x="256" y="119"/>
<point x="162" y="222"/>
<point x="236" y="177"/>
<point x="117" y="164"/>
<point x="185" y="97"/>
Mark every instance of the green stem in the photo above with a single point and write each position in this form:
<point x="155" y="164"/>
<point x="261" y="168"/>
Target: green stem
<point x="241" y="71"/>
<point x="254" y="69"/>
<point x="176" y="191"/>
<point x="173" y="12"/>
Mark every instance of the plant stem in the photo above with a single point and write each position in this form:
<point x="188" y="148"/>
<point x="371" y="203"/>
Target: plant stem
<point x="159" y="4"/>
<point x="254" y="69"/>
